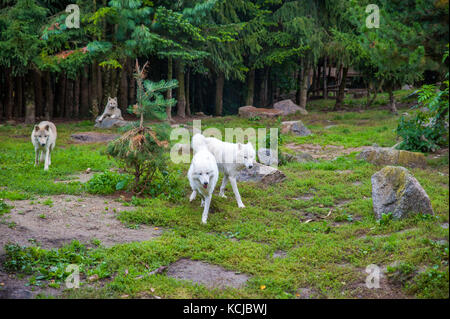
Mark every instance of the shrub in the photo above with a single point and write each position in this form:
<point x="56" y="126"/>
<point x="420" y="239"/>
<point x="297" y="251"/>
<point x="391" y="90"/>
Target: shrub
<point x="107" y="183"/>
<point x="427" y="130"/>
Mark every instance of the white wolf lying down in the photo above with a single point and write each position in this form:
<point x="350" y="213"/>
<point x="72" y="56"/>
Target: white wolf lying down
<point x="43" y="138"/>
<point x="230" y="158"/>
<point x="203" y="174"/>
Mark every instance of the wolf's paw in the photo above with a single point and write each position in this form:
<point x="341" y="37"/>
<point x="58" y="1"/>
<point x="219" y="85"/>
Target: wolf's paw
<point x="223" y="195"/>
<point x="241" y="205"/>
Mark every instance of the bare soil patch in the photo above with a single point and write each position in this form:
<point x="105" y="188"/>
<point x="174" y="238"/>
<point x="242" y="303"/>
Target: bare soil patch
<point x="328" y="152"/>
<point x="66" y="218"/>
<point x="211" y="276"/>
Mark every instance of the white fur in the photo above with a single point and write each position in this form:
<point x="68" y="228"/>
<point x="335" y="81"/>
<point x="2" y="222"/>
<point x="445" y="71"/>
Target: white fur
<point x="43" y="138"/>
<point x="202" y="172"/>
<point x="231" y="157"/>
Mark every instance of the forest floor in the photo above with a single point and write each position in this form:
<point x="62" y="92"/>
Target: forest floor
<point x="310" y="236"/>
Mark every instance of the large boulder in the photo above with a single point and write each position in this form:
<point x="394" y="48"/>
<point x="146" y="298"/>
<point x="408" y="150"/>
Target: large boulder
<point x="261" y="173"/>
<point x="251" y="111"/>
<point x="391" y="156"/>
<point x="109" y="122"/>
<point x="289" y="107"/>
<point x="296" y="127"/>
<point x="396" y="191"/>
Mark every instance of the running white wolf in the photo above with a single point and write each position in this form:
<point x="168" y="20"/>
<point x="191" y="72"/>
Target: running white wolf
<point x="43" y="138"/>
<point x="203" y="174"/>
<point x="231" y="158"/>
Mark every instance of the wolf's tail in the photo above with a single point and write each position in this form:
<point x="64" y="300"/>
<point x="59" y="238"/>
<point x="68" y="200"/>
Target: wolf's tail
<point x="198" y="142"/>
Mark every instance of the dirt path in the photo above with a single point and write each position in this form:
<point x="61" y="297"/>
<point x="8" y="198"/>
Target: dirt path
<point x="56" y="220"/>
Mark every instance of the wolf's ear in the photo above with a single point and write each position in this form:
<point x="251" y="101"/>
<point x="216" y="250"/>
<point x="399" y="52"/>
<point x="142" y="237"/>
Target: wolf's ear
<point x="115" y="99"/>
<point x="47" y="127"/>
<point x="109" y="98"/>
<point x="36" y="128"/>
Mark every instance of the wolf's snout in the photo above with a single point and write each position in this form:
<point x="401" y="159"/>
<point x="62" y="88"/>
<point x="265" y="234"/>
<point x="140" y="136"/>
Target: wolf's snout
<point x="250" y="166"/>
<point x="42" y="144"/>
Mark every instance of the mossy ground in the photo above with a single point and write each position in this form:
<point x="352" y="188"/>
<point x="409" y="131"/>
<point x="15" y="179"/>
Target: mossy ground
<point x="321" y="216"/>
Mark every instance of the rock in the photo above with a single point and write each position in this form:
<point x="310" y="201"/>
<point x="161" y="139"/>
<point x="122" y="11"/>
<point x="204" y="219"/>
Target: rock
<point x="407" y="87"/>
<point x="110" y="122"/>
<point x="267" y="156"/>
<point x="251" y="111"/>
<point x="261" y="173"/>
<point x="93" y="137"/>
<point x="396" y="191"/>
<point x="289" y="107"/>
<point x="296" y="127"/>
<point x="300" y="157"/>
<point x="390" y="156"/>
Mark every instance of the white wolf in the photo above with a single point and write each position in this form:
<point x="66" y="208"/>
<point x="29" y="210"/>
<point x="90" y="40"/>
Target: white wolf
<point x="231" y="157"/>
<point x="43" y="138"/>
<point x="111" y="110"/>
<point x="203" y="174"/>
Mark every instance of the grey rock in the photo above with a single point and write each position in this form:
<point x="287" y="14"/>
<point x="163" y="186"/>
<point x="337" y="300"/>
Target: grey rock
<point x="296" y="127"/>
<point x="396" y="191"/>
<point x="110" y="122"/>
<point x="261" y="173"/>
<point x="267" y="156"/>
<point x="288" y="107"/>
<point x="391" y="156"/>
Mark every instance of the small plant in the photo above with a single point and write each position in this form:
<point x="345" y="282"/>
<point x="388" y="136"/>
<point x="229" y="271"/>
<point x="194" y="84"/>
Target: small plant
<point x="107" y="183"/>
<point x="48" y="202"/>
<point x="4" y="208"/>
<point x="42" y="216"/>
<point x="385" y="219"/>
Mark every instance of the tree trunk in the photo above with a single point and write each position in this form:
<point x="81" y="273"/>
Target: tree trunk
<point x="341" y="92"/>
<point x="18" y="97"/>
<point x="325" y="82"/>
<point x="250" y="87"/>
<point x="187" y="85"/>
<point x="106" y="85"/>
<point x="199" y="93"/>
<point x="181" y="94"/>
<point x="218" y="105"/>
<point x="131" y="84"/>
<point x="264" y="87"/>
<point x="84" y="98"/>
<point x="123" y="91"/>
<point x="169" y="92"/>
<point x="392" y="106"/>
<point x="76" y="98"/>
<point x="30" y="107"/>
<point x="61" y="91"/>
<point x="9" y="95"/>
<point x="304" y="88"/>
<point x="38" y="98"/>
<point x="68" y="109"/>
<point x="299" y="85"/>
<point x="48" y="96"/>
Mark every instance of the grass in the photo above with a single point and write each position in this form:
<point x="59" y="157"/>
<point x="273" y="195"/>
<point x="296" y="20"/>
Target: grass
<point x="327" y="254"/>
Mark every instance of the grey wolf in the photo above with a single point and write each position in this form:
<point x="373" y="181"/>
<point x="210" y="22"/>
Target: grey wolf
<point x="111" y="110"/>
<point x="231" y="158"/>
<point x="43" y="138"/>
<point x="203" y="174"/>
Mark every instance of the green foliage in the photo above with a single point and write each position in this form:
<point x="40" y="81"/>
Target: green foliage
<point x="4" y="208"/>
<point x="45" y="265"/>
<point x="432" y="283"/>
<point x="107" y="183"/>
<point x="427" y="130"/>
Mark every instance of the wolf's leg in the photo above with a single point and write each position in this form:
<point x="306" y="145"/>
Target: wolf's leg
<point x="222" y="187"/>
<point x="42" y="157"/>
<point x="206" y="209"/>
<point x="193" y="195"/>
<point x="202" y="204"/>
<point x="47" y="156"/>
<point x="236" y="192"/>
<point x="36" y="157"/>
